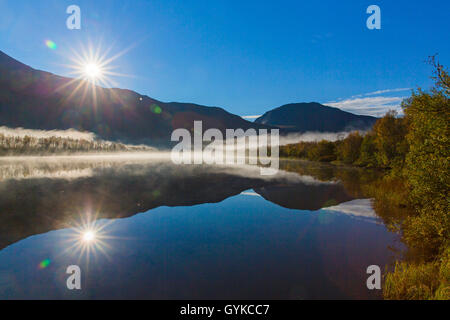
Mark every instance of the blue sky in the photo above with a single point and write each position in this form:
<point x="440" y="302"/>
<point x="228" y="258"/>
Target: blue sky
<point x="245" y="56"/>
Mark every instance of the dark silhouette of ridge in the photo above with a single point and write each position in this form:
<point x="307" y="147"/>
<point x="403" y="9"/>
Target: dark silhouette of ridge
<point x="313" y="116"/>
<point x="36" y="99"/>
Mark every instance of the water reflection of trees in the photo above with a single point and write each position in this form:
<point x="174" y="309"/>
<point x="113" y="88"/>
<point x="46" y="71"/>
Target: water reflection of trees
<point x="38" y="196"/>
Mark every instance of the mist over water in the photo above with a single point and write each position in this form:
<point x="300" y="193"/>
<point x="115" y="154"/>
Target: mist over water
<point x="313" y="137"/>
<point x="38" y="134"/>
<point x="222" y="222"/>
<point x="77" y="166"/>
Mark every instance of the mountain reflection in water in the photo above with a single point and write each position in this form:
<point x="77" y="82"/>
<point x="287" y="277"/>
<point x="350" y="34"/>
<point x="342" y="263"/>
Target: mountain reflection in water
<point x="42" y="195"/>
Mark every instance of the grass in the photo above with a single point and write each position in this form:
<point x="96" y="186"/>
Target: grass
<point x="419" y="281"/>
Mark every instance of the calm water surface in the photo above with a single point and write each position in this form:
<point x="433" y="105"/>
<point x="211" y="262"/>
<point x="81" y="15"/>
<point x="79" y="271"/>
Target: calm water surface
<point x="187" y="232"/>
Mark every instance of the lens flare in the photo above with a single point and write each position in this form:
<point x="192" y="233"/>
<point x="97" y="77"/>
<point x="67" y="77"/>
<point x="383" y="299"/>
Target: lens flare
<point x="50" y="44"/>
<point x="155" y="108"/>
<point x="44" y="264"/>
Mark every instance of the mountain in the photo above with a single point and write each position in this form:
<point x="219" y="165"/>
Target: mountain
<point x="302" y="117"/>
<point x="36" y="99"/>
<point x="303" y="196"/>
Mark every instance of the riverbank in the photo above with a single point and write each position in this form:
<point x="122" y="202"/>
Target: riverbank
<point x="414" y="152"/>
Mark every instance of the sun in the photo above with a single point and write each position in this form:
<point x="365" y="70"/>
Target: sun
<point x="93" y="67"/>
<point x="92" y="70"/>
<point x="88" y="236"/>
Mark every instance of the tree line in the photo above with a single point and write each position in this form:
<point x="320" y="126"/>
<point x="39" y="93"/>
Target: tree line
<point x="29" y="145"/>
<point x="414" y="150"/>
<point x="382" y="147"/>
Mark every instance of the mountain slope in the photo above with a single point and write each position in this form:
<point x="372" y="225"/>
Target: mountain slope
<point x="36" y="99"/>
<point x="302" y="117"/>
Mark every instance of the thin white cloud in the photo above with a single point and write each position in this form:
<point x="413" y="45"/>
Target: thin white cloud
<point x="373" y="103"/>
<point x="252" y="117"/>
<point x="378" y="92"/>
<point x="387" y="91"/>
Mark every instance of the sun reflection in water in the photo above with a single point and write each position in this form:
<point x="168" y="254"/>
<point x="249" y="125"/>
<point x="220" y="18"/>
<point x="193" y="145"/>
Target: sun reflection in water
<point x="88" y="238"/>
